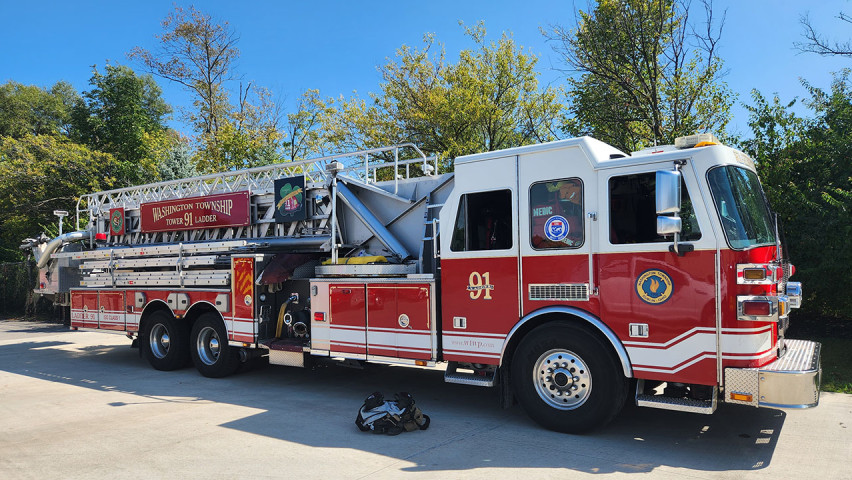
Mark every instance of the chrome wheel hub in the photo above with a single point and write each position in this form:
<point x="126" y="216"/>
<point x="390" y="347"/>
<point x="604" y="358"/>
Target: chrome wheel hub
<point x="159" y="341"/>
<point x="207" y="345"/>
<point x="562" y="379"/>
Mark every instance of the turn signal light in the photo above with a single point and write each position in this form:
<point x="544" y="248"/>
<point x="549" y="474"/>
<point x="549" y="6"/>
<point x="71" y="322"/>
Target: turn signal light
<point x="754" y="274"/>
<point x="741" y="397"/>
<point x="757" y="308"/>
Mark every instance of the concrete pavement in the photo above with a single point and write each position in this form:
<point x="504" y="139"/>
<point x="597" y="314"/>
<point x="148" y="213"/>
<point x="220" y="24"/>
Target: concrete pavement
<point x="84" y="405"/>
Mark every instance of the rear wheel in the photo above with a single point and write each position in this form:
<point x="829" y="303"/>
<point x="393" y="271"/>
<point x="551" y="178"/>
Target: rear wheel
<point x="165" y="341"/>
<point x="211" y="353"/>
<point x="567" y="379"/>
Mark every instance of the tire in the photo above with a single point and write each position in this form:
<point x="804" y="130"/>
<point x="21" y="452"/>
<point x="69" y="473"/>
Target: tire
<point x="567" y="379"/>
<point x="165" y="342"/>
<point x="211" y="353"/>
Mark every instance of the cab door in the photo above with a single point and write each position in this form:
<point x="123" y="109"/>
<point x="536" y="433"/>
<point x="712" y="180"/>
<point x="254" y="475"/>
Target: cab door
<point x="555" y="232"/>
<point x="479" y="260"/>
<point x="660" y="304"/>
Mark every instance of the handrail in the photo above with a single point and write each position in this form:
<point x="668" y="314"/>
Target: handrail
<point x="249" y="178"/>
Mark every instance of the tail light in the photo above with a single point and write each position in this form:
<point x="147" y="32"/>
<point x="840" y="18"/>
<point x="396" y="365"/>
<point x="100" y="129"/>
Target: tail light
<point x="762" y="308"/>
<point x="757" y="308"/>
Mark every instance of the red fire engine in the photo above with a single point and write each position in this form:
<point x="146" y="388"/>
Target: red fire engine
<point x="567" y="274"/>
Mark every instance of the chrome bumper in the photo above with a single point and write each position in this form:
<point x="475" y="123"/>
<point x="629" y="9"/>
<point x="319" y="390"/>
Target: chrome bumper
<point x="792" y="381"/>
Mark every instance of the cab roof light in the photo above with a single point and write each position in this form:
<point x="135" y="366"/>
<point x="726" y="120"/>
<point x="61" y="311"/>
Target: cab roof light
<point x="698" y="140"/>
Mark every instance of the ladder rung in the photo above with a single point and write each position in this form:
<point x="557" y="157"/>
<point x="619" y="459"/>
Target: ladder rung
<point x="150" y="262"/>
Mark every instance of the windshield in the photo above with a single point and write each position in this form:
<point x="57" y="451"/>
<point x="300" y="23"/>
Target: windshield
<point x="742" y="207"/>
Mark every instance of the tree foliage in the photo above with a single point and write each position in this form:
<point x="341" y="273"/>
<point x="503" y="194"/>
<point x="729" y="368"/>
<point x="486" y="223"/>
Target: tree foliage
<point x="31" y="110"/>
<point x="123" y="114"/>
<point x="199" y="54"/>
<point x="643" y="72"/>
<point x="807" y="174"/>
<point x="42" y="173"/>
<point x="489" y="99"/>
<point x="309" y="130"/>
<point x="248" y="136"/>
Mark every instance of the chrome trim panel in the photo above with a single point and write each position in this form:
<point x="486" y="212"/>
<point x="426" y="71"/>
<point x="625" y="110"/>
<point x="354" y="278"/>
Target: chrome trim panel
<point x="583" y="315"/>
<point x="791" y="381"/>
<point x="286" y="358"/>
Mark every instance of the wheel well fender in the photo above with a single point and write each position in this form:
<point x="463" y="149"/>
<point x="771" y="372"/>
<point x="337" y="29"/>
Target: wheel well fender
<point x="557" y="313"/>
<point x="152" y="307"/>
<point x="200" y="308"/>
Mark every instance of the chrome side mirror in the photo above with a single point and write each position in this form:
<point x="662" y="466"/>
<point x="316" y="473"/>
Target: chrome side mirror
<point x="668" y="202"/>
<point x="668" y="225"/>
<point x="668" y="192"/>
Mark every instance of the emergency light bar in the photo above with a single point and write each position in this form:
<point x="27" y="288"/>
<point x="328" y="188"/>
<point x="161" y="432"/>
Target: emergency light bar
<point x="699" y="140"/>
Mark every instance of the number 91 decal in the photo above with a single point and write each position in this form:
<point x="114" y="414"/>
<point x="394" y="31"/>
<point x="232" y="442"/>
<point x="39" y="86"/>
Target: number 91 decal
<point x="479" y="283"/>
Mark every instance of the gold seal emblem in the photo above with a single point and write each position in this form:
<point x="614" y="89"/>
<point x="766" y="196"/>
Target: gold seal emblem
<point x="654" y="286"/>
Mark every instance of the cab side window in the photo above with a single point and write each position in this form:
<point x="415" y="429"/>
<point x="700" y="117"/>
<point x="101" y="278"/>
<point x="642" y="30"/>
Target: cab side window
<point x="556" y="214"/>
<point x="633" y="210"/>
<point x="483" y="222"/>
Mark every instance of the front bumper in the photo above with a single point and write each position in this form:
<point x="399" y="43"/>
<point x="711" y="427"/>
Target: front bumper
<point x="791" y="381"/>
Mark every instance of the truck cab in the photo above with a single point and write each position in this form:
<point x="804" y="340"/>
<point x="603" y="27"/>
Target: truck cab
<point x="667" y="260"/>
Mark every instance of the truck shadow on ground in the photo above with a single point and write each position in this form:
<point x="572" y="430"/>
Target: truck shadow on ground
<point x="317" y="407"/>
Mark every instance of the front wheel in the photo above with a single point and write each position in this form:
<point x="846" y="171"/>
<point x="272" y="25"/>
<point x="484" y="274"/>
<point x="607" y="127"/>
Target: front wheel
<point x="567" y="379"/>
<point x="211" y="353"/>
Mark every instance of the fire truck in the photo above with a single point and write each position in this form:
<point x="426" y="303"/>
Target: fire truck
<point x="569" y="275"/>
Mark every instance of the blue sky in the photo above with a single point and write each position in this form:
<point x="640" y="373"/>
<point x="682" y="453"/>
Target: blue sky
<point x="335" y="46"/>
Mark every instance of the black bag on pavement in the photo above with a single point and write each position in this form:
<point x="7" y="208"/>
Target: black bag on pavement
<point x="391" y="417"/>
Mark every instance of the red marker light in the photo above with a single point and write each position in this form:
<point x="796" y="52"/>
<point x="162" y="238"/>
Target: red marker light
<point x="319" y="317"/>
<point x="757" y="308"/>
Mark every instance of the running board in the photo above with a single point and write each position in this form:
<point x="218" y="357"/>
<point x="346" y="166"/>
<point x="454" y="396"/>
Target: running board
<point x="463" y="378"/>
<point x="689" y="405"/>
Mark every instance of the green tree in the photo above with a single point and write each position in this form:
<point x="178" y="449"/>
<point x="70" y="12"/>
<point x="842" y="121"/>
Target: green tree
<point x="490" y="99"/>
<point x="42" y="173"/>
<point x="807" y="174"/>
<point x="247" y="136"/>
<point x="124" y="115"/>
<point x="310" y="127"/>
<point x="643" y="72"/>
<point x="31" y="110"/>
<point x="199" y="54"/>
<point x="176" y="160"/>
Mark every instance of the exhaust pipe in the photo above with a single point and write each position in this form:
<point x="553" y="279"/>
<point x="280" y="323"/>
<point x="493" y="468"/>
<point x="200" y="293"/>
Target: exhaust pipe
<point x="43" y="255"/>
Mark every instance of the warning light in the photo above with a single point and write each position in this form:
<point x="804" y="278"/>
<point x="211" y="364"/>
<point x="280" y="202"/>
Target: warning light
<point x="741" y="397"/>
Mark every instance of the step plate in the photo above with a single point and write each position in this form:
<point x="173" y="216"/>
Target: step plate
<point x="469" y="379"/>
<point x="678" y="404"/>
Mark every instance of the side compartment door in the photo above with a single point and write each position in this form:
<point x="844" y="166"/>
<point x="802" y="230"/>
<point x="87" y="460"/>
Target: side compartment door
<point x="84" y="308"/>
<point x="111" y="314"/>
<point x="348" y="319"/>
<point x="479" y="261"/>
<point x="398" y="321"/>
<point x="661" y="305"/>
